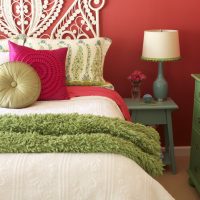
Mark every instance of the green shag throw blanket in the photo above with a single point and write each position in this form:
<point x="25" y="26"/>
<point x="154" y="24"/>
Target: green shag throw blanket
<point x="81" y="134"/>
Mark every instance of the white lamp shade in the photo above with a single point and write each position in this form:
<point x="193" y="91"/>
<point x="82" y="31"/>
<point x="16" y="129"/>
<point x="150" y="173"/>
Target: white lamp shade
<point x="161" y="45"/>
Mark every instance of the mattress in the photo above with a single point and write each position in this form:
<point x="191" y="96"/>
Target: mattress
<point x="75" y="176"/>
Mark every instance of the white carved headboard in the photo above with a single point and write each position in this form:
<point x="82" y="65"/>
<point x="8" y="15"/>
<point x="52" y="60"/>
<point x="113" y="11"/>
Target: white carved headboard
<point x="50" y="18"/>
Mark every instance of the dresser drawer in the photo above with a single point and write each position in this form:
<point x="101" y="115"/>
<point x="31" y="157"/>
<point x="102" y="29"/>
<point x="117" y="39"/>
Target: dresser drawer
<point x="197" y="91"/>
<point x="195" y="155"/>
<point x="196" y="115"/>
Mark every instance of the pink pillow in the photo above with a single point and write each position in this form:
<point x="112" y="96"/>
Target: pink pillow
<point x="50" y="66"/>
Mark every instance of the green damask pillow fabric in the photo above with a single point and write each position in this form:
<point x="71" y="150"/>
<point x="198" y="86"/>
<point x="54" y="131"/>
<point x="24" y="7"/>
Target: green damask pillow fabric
<point x="17" y="39"/>
<point x="20" y="85"/>
<point x="85" y="58"/>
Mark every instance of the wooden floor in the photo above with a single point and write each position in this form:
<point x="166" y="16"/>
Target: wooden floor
<point x="177" y="185"/>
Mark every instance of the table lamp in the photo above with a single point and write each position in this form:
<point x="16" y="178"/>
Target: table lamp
<point x="160" y="46"/>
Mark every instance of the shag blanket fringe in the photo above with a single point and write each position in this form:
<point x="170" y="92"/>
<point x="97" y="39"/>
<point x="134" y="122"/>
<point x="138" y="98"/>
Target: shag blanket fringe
<point x="81" y="134"/>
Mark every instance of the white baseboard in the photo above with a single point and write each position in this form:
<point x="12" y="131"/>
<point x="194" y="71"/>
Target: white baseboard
<point x="181" y="150"/>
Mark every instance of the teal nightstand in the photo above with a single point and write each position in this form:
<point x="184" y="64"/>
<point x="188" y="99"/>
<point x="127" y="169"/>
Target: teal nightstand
<point x="156" y="113"/>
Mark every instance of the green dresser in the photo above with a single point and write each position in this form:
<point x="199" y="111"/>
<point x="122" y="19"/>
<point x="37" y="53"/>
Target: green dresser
<point x="194" y="168"/>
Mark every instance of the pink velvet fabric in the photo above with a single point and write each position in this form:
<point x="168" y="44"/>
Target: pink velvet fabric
<point x="77" y="91"/>
<point x="50" y="66"/>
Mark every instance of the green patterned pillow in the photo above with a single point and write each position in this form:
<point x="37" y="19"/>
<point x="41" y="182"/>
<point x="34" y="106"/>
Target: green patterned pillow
<point x="18" y="39"/>
<point x="85" y="58"/>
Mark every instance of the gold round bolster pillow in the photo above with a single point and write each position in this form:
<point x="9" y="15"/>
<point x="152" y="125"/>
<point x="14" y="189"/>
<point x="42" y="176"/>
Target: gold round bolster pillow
<point x="20" y="85"/>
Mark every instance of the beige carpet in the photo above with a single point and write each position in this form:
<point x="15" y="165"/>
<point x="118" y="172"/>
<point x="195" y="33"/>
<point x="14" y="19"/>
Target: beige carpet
<point x="177" y="185"/>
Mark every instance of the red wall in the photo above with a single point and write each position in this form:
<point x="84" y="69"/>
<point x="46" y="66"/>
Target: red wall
<point x="125" y="22"/>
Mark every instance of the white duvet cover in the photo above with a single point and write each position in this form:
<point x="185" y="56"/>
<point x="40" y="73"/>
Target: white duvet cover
<point x="95" y="105"/>
<point x="67" y="176"/>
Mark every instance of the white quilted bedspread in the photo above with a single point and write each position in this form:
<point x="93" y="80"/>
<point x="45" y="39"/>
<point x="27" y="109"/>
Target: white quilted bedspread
<point x="83" y="105"/>
<point x="77" y="176"/>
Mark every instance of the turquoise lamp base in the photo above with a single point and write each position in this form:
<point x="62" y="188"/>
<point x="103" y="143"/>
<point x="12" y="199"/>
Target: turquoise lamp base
<point x="160" y="86"/>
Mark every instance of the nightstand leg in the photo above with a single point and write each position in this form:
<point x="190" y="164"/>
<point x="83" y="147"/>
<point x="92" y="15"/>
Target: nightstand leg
<point x="166" y="154"/>
<point x="169" y="143"/>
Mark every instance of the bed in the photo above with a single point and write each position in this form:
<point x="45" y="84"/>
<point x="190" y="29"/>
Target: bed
<point x="41" y="167"/>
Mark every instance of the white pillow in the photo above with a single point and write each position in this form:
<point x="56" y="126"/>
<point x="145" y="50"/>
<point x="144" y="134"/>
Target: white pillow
<point x="85" y="58"/>
<point x="18" y="39"/>
<point x="4" y="57"/>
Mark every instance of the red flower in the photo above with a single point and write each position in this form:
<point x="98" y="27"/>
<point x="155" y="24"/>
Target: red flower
<point x="136" y="76"/>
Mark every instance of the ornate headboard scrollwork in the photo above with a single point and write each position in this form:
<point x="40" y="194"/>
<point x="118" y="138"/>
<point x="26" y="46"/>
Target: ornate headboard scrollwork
<point x="43" y="19"/>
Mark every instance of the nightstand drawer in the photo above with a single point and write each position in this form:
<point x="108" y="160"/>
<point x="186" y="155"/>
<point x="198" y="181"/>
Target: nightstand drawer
<point x="149" y="117"/>
<point x="197" y="91"/>
<point x="196" y="115"/>
<point x="195" y="155"/>
<point x="194" y="168"/>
